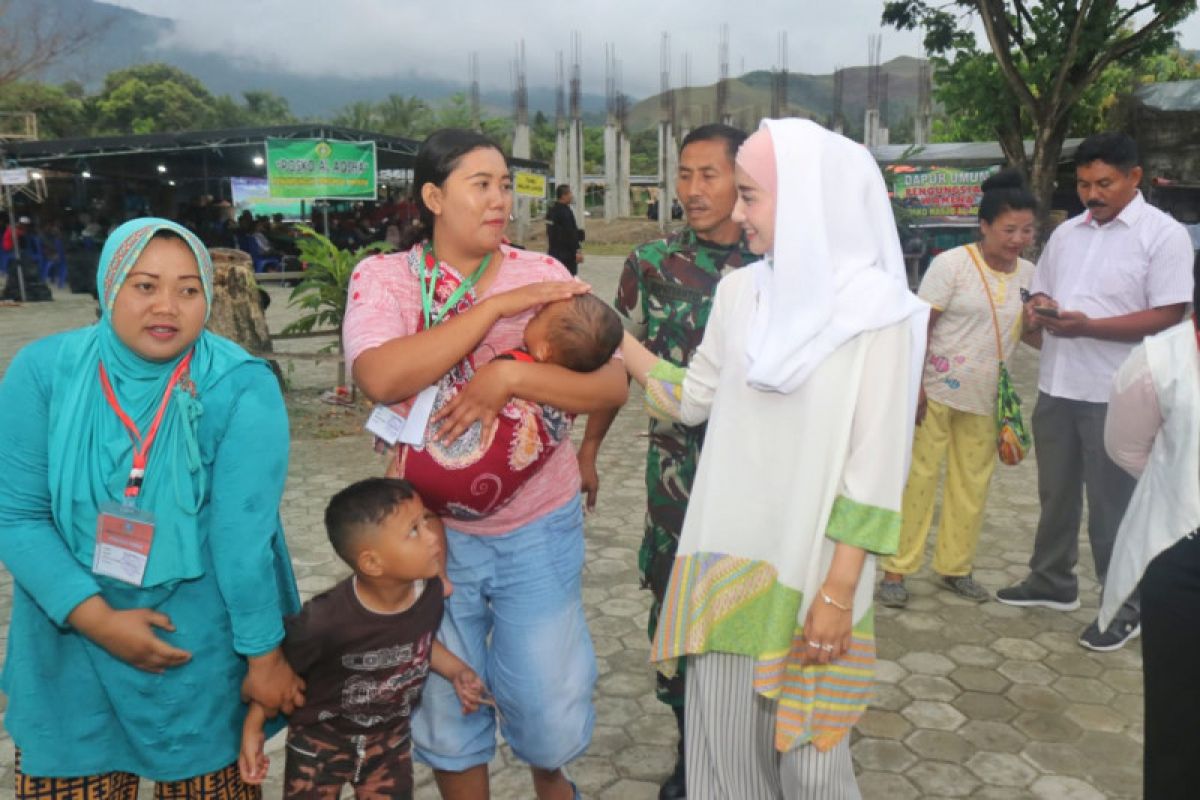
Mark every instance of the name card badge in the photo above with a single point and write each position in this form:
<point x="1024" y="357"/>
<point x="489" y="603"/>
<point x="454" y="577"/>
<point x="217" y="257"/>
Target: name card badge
<point x="386" y="424"/>
<point x="123" y="539"/>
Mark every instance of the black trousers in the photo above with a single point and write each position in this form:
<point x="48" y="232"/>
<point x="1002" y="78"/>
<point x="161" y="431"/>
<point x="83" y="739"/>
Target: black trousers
<point x="1171" y="671"/>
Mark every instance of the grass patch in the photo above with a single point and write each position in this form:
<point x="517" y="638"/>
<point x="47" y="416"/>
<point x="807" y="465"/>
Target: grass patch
<point x="621" y="249"/>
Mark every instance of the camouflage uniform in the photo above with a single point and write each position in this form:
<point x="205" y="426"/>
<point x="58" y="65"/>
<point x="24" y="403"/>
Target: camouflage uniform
<point x="665" y="294"/>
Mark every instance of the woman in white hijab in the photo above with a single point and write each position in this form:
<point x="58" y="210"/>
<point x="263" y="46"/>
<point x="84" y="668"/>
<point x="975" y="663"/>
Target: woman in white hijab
<point x="808" y="377"/>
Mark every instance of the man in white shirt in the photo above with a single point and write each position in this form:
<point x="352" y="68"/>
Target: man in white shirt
<point x="1108" y="278"/>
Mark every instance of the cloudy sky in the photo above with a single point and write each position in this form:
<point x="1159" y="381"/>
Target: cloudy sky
<point x="379" y="38"/>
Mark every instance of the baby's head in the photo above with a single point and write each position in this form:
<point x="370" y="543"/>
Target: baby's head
<point x="380" y="527"/>
<point x="581" y="333"/>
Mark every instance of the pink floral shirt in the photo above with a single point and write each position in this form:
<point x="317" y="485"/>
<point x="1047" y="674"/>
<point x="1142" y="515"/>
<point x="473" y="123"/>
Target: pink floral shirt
<point x="385" y="304"/>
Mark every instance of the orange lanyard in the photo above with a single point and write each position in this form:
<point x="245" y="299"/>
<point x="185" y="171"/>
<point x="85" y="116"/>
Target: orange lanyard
<point x="141" y="444"/>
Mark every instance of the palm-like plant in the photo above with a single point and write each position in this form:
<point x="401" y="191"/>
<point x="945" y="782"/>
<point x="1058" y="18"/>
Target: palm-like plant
<point x="325" y="284"/>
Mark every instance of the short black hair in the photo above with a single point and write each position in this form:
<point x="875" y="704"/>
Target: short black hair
<point x="562" y="191"/>
<point x="1115" y="148"/>
<point x="438" y="156"/>
<point x="585" y="337"/>
<point x="1005" y="191"/>
<point x="361" y="507"/>
<point x="715" y="131"/>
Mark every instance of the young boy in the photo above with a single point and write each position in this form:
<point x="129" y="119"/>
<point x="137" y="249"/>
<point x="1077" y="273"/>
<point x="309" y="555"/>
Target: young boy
<point x="479" y="472"/>
<point x="364" y="648"/>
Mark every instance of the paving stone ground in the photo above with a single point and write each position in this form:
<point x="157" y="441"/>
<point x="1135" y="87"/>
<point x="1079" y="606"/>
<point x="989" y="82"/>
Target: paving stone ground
<point x="982" y="701"/>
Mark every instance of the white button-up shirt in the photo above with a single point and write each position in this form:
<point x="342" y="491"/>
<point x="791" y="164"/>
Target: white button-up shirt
<point x="1140" y="260"/>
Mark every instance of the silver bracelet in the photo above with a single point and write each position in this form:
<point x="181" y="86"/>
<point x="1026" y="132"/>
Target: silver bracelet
<point x="829" y="601"/>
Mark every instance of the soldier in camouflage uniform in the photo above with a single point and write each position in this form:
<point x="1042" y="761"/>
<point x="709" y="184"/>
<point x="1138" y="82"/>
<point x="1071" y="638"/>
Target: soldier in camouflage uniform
<point x="665" y="294"/>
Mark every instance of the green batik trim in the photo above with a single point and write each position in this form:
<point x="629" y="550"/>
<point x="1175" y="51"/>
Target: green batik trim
<point x="872" y="528"/>
<point x="767" y="626"/>
<point x="763" y="625"/>
<point x="664" y="390"/>
<point x="732" y="605"/>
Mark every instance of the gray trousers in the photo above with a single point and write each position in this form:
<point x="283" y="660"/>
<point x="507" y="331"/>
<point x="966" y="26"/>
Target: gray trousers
<point x="731" y="742"/>
<point x="1069" y="438"/>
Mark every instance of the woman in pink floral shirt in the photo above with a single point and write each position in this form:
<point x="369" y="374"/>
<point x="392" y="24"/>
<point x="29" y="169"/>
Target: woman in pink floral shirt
<point x="516" y="612"/>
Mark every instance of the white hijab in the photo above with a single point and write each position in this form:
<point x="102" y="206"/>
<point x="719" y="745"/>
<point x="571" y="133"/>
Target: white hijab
<point x="837" y="269"/>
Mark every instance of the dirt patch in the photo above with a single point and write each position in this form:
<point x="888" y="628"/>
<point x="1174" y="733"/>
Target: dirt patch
<point x="312" y="418"/>
<point x="626" y="231"/>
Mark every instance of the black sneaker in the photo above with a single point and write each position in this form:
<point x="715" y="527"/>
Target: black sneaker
<point x="1022" y="595"/>
<point x="1118" y="633"/>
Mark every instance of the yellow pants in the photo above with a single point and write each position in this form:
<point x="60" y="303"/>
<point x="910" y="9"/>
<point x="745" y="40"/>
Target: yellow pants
<point x="968" y="443"/>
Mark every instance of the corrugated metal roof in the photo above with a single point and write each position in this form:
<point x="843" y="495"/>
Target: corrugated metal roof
<point x="956" y="154"/>
<point x="1170" y="95"/>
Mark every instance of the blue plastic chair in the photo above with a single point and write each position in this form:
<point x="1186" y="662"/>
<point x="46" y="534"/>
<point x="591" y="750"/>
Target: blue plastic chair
<point x="260" y="260"/>
<point x="54" y="266"/>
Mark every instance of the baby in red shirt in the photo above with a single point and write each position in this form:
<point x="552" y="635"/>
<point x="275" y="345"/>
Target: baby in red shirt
<point x="481" y="471"/>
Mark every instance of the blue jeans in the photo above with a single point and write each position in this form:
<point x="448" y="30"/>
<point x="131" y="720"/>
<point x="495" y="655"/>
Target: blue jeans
<point x="516" y="616"/>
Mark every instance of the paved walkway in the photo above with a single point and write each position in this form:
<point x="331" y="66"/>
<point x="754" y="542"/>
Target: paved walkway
<point x="972" y="701"/>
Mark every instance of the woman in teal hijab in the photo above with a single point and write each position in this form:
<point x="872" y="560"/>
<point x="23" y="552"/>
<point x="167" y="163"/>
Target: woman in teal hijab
<point x="145" y="461"/>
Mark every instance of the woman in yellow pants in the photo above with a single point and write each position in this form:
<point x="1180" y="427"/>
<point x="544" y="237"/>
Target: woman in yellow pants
<point x="955" y="413"/>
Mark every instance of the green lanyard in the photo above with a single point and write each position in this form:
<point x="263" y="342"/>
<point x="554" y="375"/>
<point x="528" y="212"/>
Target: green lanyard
<point x="429" y="279"/>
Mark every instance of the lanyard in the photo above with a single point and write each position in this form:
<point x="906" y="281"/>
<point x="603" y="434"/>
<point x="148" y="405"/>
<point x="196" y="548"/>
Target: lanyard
<point x="141" y="444"/>
<point x="430" y="272"/>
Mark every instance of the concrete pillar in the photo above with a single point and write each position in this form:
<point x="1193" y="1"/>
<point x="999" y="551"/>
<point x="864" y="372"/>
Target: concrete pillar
<point x="562" y="170"/>
<point x="871" y="127"/>
<point x="612" y="172"/>
<point x="625" y="205"/>
<point x="521" y="149"/>
<point x="923" y="129"/>
<point x="575" y="169"/>
<point x="667" y="167"/>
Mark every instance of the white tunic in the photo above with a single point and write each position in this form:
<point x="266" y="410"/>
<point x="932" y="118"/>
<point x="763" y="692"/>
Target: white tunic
<point x="773" y="464"/>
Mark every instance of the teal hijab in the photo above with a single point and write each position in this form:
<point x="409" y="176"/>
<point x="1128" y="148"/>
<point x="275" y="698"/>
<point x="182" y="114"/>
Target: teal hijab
<point x="90" y="451"/>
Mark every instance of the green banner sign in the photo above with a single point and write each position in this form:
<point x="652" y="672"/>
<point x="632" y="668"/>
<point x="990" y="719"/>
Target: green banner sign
<point x="940" y="191"/>
<point x="321" y="168"/>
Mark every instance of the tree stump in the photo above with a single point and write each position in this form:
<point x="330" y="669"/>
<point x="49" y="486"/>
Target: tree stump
<point x="236" y="311"/>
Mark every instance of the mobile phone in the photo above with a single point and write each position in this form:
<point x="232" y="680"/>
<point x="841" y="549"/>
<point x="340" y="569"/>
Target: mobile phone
<point x="1046" y="311"/>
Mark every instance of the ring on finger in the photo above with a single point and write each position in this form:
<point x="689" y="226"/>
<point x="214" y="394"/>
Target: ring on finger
<point x="814" y="645"/>
<point x="827" y="648"/>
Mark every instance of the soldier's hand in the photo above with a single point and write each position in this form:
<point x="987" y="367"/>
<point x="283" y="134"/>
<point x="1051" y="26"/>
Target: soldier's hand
<point x="589" y="479"/>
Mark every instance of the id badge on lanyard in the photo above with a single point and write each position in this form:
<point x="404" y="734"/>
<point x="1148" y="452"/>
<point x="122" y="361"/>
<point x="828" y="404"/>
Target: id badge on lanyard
<point x="386" y="424"/>
<point x="124" y="533"/>
<point x="123" y="538"/>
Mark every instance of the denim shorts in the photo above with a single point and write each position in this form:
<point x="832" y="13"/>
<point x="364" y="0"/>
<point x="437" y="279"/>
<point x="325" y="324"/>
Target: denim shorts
<point x="516" y="616"/>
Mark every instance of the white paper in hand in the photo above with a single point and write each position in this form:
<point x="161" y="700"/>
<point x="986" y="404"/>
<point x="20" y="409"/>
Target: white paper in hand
<point x="418" y="417"/>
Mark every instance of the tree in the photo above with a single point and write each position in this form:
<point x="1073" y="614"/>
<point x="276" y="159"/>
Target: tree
<point x="455" y="112"/>
<point x="153" y="97"/>
<point x="59" y="114"/>
<point x="1045" y="57"/>
<point x="405" y="116"/>
<point x="360" y="115"/>
<point x="266" y="108"/>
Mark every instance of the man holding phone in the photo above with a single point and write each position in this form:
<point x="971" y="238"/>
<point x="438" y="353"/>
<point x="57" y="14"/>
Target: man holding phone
<point x="1108" y="278"/>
